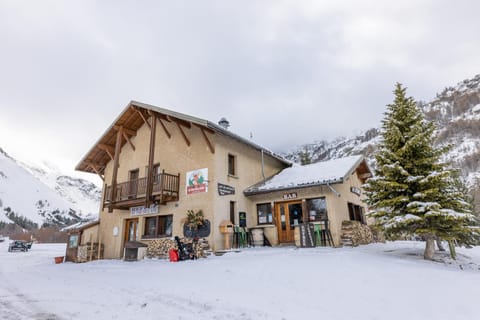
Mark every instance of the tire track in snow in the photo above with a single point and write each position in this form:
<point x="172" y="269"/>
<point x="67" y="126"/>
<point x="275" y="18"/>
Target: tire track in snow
<point x="15" y="305"/>
<point x="185" y="308"/>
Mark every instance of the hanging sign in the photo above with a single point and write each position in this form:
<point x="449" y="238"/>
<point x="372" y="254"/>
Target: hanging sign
<point x="290" y="195"/>
<point x="356" y="191"/>
<point x="224" y="190"/>
<point x="139" y="211"/>
<point x="197" y="181"/>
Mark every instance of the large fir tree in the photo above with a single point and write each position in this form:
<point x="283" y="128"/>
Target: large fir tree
<point x="413" y="192"/>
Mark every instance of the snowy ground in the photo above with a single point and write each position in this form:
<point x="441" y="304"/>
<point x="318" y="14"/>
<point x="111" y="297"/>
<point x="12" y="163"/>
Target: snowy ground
<point x="380" y="281"/>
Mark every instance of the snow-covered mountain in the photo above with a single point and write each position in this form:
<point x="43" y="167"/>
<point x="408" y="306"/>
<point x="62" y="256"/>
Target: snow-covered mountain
<point x="456" y="112"/>
<point x="42" y="194"/>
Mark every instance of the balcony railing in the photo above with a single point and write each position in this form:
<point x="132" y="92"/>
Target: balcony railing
<point x="165" y="188"/>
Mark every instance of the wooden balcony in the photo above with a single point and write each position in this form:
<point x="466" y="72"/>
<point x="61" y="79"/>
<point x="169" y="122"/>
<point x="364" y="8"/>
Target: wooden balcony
<point x="132" y="193"/>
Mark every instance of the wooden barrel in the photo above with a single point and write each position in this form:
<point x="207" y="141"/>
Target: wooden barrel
<point x="257" y="237"/>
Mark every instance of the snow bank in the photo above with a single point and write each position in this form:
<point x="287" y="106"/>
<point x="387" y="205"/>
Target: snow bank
<point x="379" y="281"/>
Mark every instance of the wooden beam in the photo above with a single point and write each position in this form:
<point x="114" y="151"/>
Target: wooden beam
<point x="184" y="123"/>
<point x="205" y="128"/>
<point x="126" y="130"/>
<point x="143" y="117"/>
<point x="128" y="140"/>
<point x="151" y="156"/>
<point x="164" y="117"/>
<point x="94" y="168"/>
<point x="209" y="144"/>
<point x="110" y="150"/>
<point x="97" y="165"/>
<point x="118" y="145"/>
<point x="108" y="147"/>
<point x="164" y="128"/>
<point x="183" y="134"/>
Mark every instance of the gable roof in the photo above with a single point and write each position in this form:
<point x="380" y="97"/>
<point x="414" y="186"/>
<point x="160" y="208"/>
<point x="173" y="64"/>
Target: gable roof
<point x="133" y="117"/>
<point x="320" y="173"/>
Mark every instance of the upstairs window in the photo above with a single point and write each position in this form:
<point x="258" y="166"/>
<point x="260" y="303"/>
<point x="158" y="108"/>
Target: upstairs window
<point x="232" y="168"/>
<point x="156" y="173"/>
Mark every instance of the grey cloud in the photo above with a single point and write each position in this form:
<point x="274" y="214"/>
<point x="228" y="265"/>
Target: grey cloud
<point x="288" y="72"/>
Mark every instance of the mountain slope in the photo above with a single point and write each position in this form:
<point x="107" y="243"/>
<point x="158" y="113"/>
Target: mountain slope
<point x="455" y="111"/>
<point x="82" y="194"/>
<point x="48" y="200"/>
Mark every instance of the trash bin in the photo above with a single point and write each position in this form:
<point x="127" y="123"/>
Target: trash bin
<point x="226" y="228"/>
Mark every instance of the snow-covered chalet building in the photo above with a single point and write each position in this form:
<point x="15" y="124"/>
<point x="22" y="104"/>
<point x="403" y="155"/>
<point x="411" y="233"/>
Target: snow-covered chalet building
<point x="199" y="165"/>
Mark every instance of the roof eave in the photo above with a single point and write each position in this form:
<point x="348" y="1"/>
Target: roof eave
<point x="198" y="121"/>
<point x="221" y="130"/>
<point x="77" y="167"/>
<point x="303" y="186"/>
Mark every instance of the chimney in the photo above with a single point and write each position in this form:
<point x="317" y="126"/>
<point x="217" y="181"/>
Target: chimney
<point x="224" y="123"/>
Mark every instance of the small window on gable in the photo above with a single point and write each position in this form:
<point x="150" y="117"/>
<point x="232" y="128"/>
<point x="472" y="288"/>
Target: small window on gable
<point x="232" y="165"/>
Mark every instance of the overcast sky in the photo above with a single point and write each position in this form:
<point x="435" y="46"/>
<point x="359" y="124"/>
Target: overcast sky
<point x="289" y="72"/>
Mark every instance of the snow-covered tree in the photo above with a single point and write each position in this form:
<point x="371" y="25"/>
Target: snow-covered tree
<point x="413" y="192"/>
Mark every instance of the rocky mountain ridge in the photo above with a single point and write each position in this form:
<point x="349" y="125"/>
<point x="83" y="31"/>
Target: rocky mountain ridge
<point x="456" y="113"/>
<point x="33" y="195"/>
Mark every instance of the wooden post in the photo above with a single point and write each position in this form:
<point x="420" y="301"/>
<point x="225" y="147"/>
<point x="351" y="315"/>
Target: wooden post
<point x="151" y="154"/>
<point x="118" y="145"/>
<point x="99" y="244"/>
<point x="91" y="247"/>
<point x="304" y="210"/>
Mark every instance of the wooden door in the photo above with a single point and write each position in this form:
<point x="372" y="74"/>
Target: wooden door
<point x="133" y="185"/>
<point x="131" y="226"/>
<point x="288" y="215"/>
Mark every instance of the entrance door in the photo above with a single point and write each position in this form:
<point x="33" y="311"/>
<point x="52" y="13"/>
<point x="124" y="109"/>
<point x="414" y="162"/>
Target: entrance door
<point x="131" y="226"/>
<point x="288" y="215"/>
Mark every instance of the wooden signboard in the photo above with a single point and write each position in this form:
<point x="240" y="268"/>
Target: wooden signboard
<point x="289" y="196"/>
<point x="306" y="235"/>
<point x="224" y="190"/>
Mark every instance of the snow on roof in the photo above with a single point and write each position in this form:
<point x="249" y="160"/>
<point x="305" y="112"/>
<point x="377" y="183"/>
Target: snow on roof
<point x="332" y="171"/>
<point x="81" y="225"/>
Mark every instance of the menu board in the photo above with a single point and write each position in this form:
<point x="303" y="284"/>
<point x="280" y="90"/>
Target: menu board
<point x="306" y="235"/>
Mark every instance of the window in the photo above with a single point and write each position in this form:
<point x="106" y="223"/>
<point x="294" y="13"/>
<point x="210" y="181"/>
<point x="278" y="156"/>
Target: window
<point x="133" y="174"/>
<point x="73" y="241"/>
<point x="232" y="170"/>
<point x="264" y="213"/>
<point x="232" y="212"/>
<point x="133" y="183"/>
<point x="356" y="213"/>
<point x="155" y="172"/>
<point x="158" y="226"/>
<point x="317" y="209"/>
